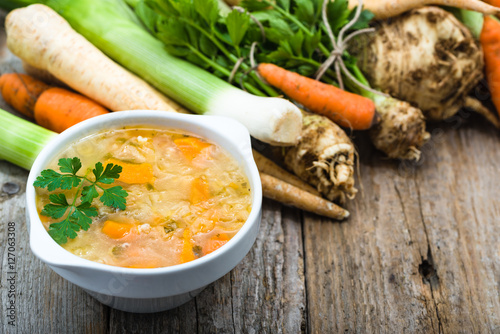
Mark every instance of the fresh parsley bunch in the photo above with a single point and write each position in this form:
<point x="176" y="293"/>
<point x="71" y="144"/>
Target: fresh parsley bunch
<point x="289" y="33"/>
<point x="77" y="216"/>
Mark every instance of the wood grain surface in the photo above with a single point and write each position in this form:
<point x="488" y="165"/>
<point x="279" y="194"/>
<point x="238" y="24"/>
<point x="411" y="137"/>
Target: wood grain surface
<point x="420" y="254"/>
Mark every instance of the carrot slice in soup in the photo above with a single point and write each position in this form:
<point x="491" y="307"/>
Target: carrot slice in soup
<point x="215" y="243"/>
<point x="190" y="146"/>
<point x="199" y="191"/>
<point x="187" y="253"/>
<point x="134" y="173"/>
<point x="116" y="230"/>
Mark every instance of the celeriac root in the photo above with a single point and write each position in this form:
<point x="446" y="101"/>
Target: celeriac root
<point x="288" y="194"/>
<point x="324" y="158"/>
<point x="388" y="8"/>
<point x="426" y="57"/>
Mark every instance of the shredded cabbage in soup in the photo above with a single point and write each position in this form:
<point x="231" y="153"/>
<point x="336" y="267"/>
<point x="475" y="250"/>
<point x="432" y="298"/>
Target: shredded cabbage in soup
<point x="186" y="198"/>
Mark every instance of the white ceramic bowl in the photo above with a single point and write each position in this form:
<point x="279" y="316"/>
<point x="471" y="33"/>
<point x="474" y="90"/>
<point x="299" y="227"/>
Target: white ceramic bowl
<point x="158" y="289"/>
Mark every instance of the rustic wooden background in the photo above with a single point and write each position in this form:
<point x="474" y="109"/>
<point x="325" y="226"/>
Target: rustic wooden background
<point x="420" y="254"/>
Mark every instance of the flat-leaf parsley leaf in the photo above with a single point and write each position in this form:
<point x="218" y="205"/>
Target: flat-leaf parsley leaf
<point x="78" y="216"/>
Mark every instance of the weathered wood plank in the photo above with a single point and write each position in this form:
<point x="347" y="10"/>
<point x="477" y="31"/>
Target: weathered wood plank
<point x="420" y="253"/>
<point x="461" y="217"/>
<point x="268" y="293"/>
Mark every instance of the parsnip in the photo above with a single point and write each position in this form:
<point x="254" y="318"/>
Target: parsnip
<point x="44" y="40"/>
<point x="288" y="194"/>
<point x="269" y="167"/>
<point x="388" y="8"/>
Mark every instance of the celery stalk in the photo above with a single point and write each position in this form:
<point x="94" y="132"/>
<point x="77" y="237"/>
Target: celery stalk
<point x="21" y="140"/>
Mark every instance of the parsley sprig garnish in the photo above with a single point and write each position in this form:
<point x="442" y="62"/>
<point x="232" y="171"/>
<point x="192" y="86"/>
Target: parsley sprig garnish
<point x="78" y="216"/>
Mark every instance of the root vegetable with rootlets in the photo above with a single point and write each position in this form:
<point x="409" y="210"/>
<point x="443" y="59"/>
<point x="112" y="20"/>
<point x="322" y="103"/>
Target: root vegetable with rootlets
<point x="426" y="57"/>
<point x="400" y="132"/>
<point x="324" y="158"/>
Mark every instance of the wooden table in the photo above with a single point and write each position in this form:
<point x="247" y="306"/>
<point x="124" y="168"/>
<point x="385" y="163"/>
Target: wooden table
<point x="420" y="254"/>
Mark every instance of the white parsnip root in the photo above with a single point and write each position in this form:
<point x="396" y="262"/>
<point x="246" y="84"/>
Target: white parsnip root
<point x="45" y="41"/>
<point x="267" y="166"/>
<point x="288" y="194"/>
<point x="388" y="8"/>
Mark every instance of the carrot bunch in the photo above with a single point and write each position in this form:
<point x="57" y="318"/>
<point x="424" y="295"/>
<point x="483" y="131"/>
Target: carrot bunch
<point x="53" y="108"/>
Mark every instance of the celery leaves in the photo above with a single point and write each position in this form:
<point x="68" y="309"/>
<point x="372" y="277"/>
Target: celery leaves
<point x="288" y="33"/>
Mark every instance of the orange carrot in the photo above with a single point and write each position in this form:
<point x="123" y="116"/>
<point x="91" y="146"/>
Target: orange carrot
<point x="199" y="191"/>
<point x="21" y="91"/>
<point x="116" y="230"/>
<point x="495" y="3"/>
<point x="57" y="109"/>
<point x="187" y="253"/>
<point x="53" y="108"/>
<point x="344" y="108"/>
<point x="134" y="173"/>
<point x="490" y="41"/>
<point x="215" y="243"/>
<point x="190" y="146"/>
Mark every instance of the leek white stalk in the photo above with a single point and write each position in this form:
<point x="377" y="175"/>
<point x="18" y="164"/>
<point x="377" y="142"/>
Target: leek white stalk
<point x="21" y="140"/>
<point x="270" y="119"/>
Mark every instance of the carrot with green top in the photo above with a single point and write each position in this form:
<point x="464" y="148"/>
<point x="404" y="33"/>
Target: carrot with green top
<point x="490" y="42"/>
<point x="344" y="108"/>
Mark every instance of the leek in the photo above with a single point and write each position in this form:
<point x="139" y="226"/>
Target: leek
<point x="113" y="28"/>
<point x="21" y="140"/>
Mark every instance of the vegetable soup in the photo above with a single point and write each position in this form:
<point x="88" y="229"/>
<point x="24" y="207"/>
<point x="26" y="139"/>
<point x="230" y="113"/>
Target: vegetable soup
<point x="185" y="197"/>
